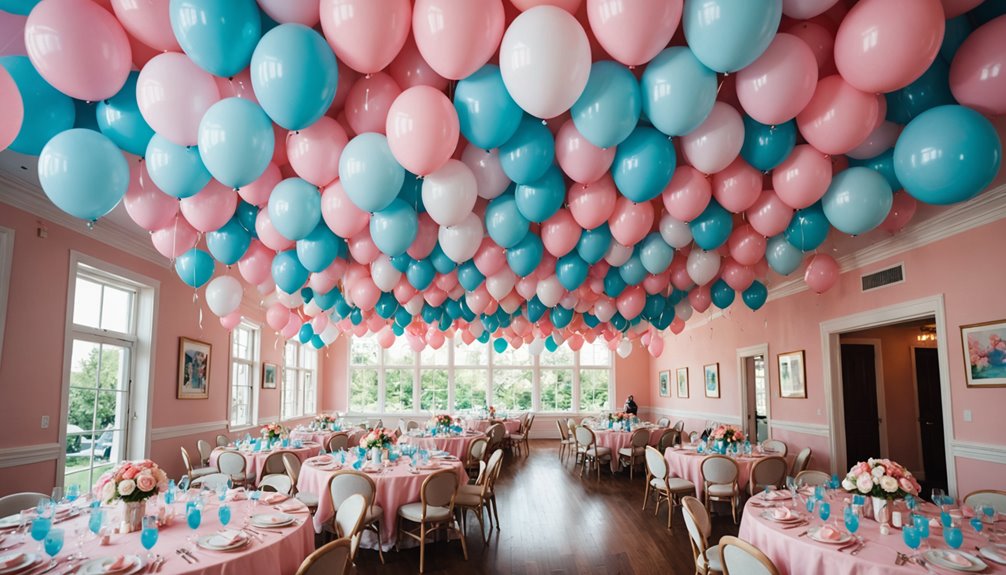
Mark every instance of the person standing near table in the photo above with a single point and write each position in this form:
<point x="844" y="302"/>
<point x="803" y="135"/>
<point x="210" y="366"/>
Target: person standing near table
<point x="630" y="406"/>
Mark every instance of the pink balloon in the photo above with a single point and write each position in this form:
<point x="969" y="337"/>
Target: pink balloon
<point x="820" y="41"/>
<point x="954" y="8"/>
<point x="736" y="275"/>
<point x="839" y="117"/>
<point x="677" y="326"/>
<point x="340" y="214"/>
<point x="237" y="86"/>
<point x="631" y="301"/>
<point x="347" y="79"/>
<point x="257" y="193"/>
<point x="746" y="245"/>
<point x="655" y="284"/>
<point x="314" y="152"/>
<point x="231" y="320"/>
<point x="978" y="72"/>
<point x="11" y="109"/>
<point x="386" y="338"/>
<point x="885" y="45"/>
<point x="902" y="210"/>
<point x="630" y="222"/>
<point x="410" y="69"/>
<point x="78" y="47"/>
<point x="592" y="204"/>
<point x="277" y="316"/>
<point x="280" y="135"/>
<point x="776" y="87"/>
<point x="716" y="142"/>
<point x="803" y="177"/>
<point x="570" y="6"/>
<point x="365" y="293"/>
<point x="634" y="31"/>
<point x="175" y="239"/>
<point x="292" y="11"/>
<point x="700" y="298"/>
<point x="879" y="141"/>
<point x="328" y="278"/>
<point x="582" y="161"/>
<point x="362" y="248"/>
<point x="769" y="215"/>
<point x="822" y="273"/>
<point x="560" y="233"/>
<point x="292" y="326"/>
<point x="173" y="94"/>
<point x="211" y="208"/>
<point x="737" y="186"/>
<point x="490" y="257"/>
<point x="404" y="291"/>
<point x="255" y="265"/>
<point x="148" y="21"/>
<point x="423" y="129"/>
<point x="366" y="34"/>
<point x="447" y="282"/>
<point x="687" y="194"/>
<point x="426" y="238"/>
<point x="319" y="323"/>
<point x="656" y="346"/>
<point x="478" y="300"/>
<point x="457" y="37"/>
<point x="268" y="234"/>
<point x="368" y="102"/>
<point x="146" y="205"/>
<point x="804" y="9"/>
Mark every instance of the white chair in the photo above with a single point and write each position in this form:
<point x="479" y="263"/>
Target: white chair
<point x="679" y="426"/>
<point x="338" y="442"/>
<point x="497" y="436"/>
<point x="476" y="454"/>
<point x="223" y="440"/>
<point x="742" y="558"/>
<point x="519" y="439"/>
<point x="992" y="497"/>
<point x="434" y="511"/>
<point x="411" y="425"/>
<point x="213" y="481"/>
<point x="349" y="518"/>
<point x="767" y="471"/>
<point x="16" y="502"/>
<point x="694" y="436"/>
<point x="669" y="438"/>
<point x="329" y="559"/>
<point x="278" y="482"/>
<point x="235" y="466"/>
<point x="663" y="422"/>
<point x="668" y="489"/>
<point x="591" y="453"/>
<point x="719" y="481"/>
<point x="801" y="461"/>
<point x="375" y="423"/>
<point x="636" y="449"/>
<point x="292" y="465"/>
<point x="478" y="497"/>
<point x="349" y="482"/>
<point x="195" y="472"/>
<point x="565" y="441"/>
<point x="812" y="478"/>
<point x="274" y="463"/>
<point x="775" y="447"/>
<point x="707" y="559"/>
<point x="205" y="449"/>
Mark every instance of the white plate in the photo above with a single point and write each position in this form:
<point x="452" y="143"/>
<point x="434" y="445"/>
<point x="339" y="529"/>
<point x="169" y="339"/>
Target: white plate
<point x="994" y="553"/>
<point x="844" y="537"/>
<point x="216" y="542"/>
<point x="768" y="515"/>
<point x="10" y="521"/>
<point x="272" y="520"/>
<point x="936" y="556"/>
<point x="29" y="559"/>
<point x="98" y="566"/>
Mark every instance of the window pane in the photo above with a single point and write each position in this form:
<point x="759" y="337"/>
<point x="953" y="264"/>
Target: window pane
<point x="84" y="364"/>
<point x="87" y="303"/>
<point x="512" y="389"/>
<point x="398" y="390"/>
<point x="399" y="353"/>
<point x="475" y="354"/>
<point x="310" y="393"/>
<point x="562" y="356"/>
<point x="116" y="309"/>
<point x="290" y="354"/>
<point x="434" y="390"/>
<point x="511" y="356"/>
<point x="364" y="351"/>
<point x="596" y="353"/>
<point x="363" y="390"/>
<point x="289" y="408"/>
<point x="593" y="389"/>
<point x="438" y="357"/>
<point x="556" y="389"/>
<point x="469" y="388"/>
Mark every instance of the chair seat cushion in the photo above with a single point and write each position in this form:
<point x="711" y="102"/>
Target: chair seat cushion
<point x="414" y="512"/>
<point x="201" y="471"/>
<point x="712" y="557"/>
<point x="309" y="499"/>
<point x="470" y="490"/>
<point x="722" y="490"/>
<point x="677" y="484"/>
<point x="630" y="451"/>
<point x="599" y="452"/>
<point x="517" y="437"/>
<point x="468" y="499"/>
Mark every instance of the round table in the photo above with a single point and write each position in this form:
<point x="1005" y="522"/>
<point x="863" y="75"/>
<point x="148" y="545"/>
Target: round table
<point x="511" y="425"/>
<point x="255" y="460"/>
<point x="617" y="439"/>
<point x="686" y="463"/>
<point x="396" y="486"/>
<point x="320" y="437"/>
<point x="456" y="445"/>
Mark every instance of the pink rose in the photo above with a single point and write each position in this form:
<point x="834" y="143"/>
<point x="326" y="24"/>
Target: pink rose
<point x="146" y="482"/>
<point x="130" y="473"/>
<point x="906" y="485"/>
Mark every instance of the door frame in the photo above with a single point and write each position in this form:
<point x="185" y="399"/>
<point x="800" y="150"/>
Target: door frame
<point x="932" y="306"/>
<point x="921" y="473"/>
<point x="742" y="377"/>
<point x="878" y="367"/>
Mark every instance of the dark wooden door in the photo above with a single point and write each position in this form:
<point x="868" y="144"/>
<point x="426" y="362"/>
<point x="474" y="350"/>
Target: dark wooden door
<point x="927" y="378"/>
<point x="859" y="393"/>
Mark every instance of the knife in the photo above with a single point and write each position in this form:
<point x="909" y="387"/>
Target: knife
<point x="183" y="556"/>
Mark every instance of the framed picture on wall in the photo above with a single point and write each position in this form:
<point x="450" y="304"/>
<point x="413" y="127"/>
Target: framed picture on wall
<point x="985" y="353"/>
<point x="193" y="369"/>
<point x="682" y="375"/>
<point x="792" y="375"/>
<point x="711" y="378"/>
<point x="268" y="375"/>
<point x="664" y="383"/>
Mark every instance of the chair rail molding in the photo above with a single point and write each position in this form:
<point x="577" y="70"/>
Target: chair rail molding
<point x="979" y="451"/>
<point x="28" y="454"/>
<point x="162" y="433"/>
<point x="819" y="429"/>
<point x="686" y="414"/>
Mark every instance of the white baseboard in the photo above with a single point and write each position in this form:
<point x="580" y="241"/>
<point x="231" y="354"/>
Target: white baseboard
<point x="28" y="454"/>
<point x="161" y="433"/>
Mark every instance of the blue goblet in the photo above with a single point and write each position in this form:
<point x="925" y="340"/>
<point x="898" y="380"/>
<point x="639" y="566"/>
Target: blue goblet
<point x="953" y="536"/>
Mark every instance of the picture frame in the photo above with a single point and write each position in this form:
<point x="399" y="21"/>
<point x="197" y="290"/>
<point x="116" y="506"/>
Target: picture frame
<point x="270" y="373"/>
<point x="711" y="379"/>
<point x="984" y="353"/>
<point x="664" y="383"/>
<point x="193" y="368"/>
<point x="682" y="377"/>
<point x="792" y="375"/>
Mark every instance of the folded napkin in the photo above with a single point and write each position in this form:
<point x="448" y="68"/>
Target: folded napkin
<point x="230" y="537"/>
<point x="12" y="560"/>
<point x="236" y="494"/>
<point x="776" y="495"/>
<point x="117" y="564"/>
<point x="274" y="498"/>
<point x="271" y="519"/>
<point x="322" y="459"/>
<point x="934" y="523"/>
<point x="828" y="533"/>
<point x="782" y="513"/>
<point x="290" y="506"/>
<point x="956" y="558"/>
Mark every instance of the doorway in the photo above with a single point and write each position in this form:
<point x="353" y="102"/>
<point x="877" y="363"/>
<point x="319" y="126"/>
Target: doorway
<point x="756" y="394"/>
<point x="926" y="372"/>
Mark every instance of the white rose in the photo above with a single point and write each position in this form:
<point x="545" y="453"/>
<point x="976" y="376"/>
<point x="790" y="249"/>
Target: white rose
<point x="126" y="486"/>
<point x="107" y="491"/>
<point x="877" y="472"/>
<point x="848" y="484"/>
<point x="889" y="484"/>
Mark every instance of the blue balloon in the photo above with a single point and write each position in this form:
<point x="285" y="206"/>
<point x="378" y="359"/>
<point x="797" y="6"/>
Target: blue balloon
<point x="420" y="274"/>
<point x="928" y="91"/>
<point x="712" y="227"/>
<point x="500" y="345"/>
<point x="294" y="75"/>
<point x="655" y="254"/>
<point x="402" y="316"/>
<point x="783" y="257"/>
<point x="487" y="114"/>
<point x="593" y="244"/>
<point x="306" y="333"/>
<point x="86" y="116"/>
<point x="528" y="154"/>
<point x="678" y="91"/>
<point x="20" y="7"/>
<point x="619" y="322"/>
<point x="571" y="271"/>
<point x="369" y="173"/>
<point x="246" y="215"/>
<point x="83" y="173"/>
<point x="469" y="276"/>
<point x="317" y="342"/>
<point x="236" y="141"/>
<point x="229" y="243"/>
<point x="119" y="118"/>
<point x="294" y="208"/>
<point x="957" y="30"/>
<point x="654" y="306"/>
<point x="430" y="314"/>
<point x="643" y="165"/>
<point x="608" y="109"/>
<point x="614" y="285"/>
<point x="287" y="271"/>
<point x="356" y="316"/>
<point x="400" y="263"/>
<point x="386" y="305"/>
<point x="440" y="261"/>
<point x="524" y="257"/>
<point x="535" y="309"/>
<point x="176" y="170"/>
<point x="986" y="12"/>
<point x="808" y="229"/>
<point x="754" y="297"/>
<point x="541" y="199"/>
<point x="412" y="192"/>
<point x="765" y="147"/>
<point x="560" y="316"/>
<point x="632" y="271"/>
<point x="319" y="249"/>
<point x="490" y="322"/>
<point x="505" y="223"/>
<point x="342" y="307"/>
<point x="195" y="267"/>
<point x="883" y="165"/>
<point x="327" y="301"/>
<point x="218" y="36"/>
<point x="307" y="294"/>
<point x="727" y="35"/>
<point x="722" y="294"/>
<point x="857" y="200"/>
<point x="948" y="154"/>
<point x="394" y="228"/>
<point x="47" y="111"/>
<point x="397" y="329"/>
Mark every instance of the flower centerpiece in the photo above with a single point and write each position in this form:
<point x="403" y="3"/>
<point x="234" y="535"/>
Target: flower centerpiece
<point x="728" y="434"/>
<point x="492" y="412"/>
<point x="323" y="421"/>
<point x="883" y="480"/>
<point x="273" y="432"/>
<point x="378" y="440"/>
<point x="132" y="483"/>
<point x="618" y="417"/>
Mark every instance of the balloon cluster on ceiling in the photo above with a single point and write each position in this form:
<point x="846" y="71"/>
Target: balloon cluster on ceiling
<point x="529" y="172"/>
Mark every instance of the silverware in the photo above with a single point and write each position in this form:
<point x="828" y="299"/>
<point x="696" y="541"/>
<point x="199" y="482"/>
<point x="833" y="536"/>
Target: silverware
<point x="924" y="564"/>
<point x="804" y="533"/>
<point x="51" y="566"/>
<point x="183" y="556"/>
<point x="190" y="554"/>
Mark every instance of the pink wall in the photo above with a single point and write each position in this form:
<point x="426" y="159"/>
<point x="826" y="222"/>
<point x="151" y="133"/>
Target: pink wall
<point x="335" y="361"/>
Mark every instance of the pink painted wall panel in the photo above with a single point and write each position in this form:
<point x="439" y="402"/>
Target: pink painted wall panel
<point x="974" y="474"/>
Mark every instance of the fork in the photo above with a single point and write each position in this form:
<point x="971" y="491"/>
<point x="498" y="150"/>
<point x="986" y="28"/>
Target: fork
<point x="183" y="556"/>
<point x="862" y="543"/>
<point x="924" y="564"/>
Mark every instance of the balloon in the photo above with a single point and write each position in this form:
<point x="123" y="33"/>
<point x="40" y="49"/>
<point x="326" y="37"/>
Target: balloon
<point x="286" y="12"/>
<point x="319" y="249"/>
<point x="420" y="274"/>
<point x="78" y="47"/>
<point x="505" y="222"/>
<point x="211" y="208"/>
<point x="410" y="69"/>
<point x="931" y="89"/>
<point x="500" y="284"/>
<point x="822" y="273"/>
<point x="177" y="170"/>
<point x="571" y="271"/>
<point x="268" y="234"/>
<point x="887" y="44"/>
<point x="948" y="154"/>
<point x="295" y="208"/>
<point x="644" y="164"/>
<point x="675" y="233"/>
<point x="456" y="37"/>
<point x="722" y="295"/>
<point x="839" y="117"/>
<point x="545" y="60"/>
<point x="45" y="111"/>
<point x="235" y="141"/>
<point x="119" y="118"/>
<point x="524" y="257"/>
<point x="469" y="276"/>
<point x="633" y="32"/>
<point x="746" y="245"/>
<point x="737" y="187"/>
<point x="223" y="295"/>
<point x="549" y="291"/>
<point x="490" y="180"/>
<point x="678" y="91"/>
<point x="314" y="152"/>
<point x="717" y="141"/>
<point x="20" y="7"/>
<point x="883" y="165"/>
<point x="366" y="34"/>
<point x="146" y="205"/>
<point x="394" y="228"/>
<point x="13" y="109"/>
<point x="294" y="75"/>
<point x="449" y="193"/>
<point x="287" y="271"/>
<point x="654" y="254"/>
<point x="422" y="129"/>
<point x="617" y="254"/>
<point x="228" y="244"/>
<point x="368" y="102"/>
<point x="195" y="267"/>
<point x="879" y="141"/>
<point x="782" y="256"/>
<point x="780" y="83"/>
<point x="173" y="95"/>
<point x="630" y="222"/>
<point x="83" y="173"/>
<point x="803" y="177"/>
<point x="754" y="297"/>
<point x="713" y="226"/>
<point x="977" y="79"/>
<point x="582" y="161"/>
<point x="630" y="303"/>
<point x="765" y="147"/>
<point x="727" y="35"/>
<point x="808" y="228"/>
<point x="769" y="215"/>
<point x="487" y="114"/>
<point x="687" y="194"/>
<point x="539" y="200"/>
<point x="806" y="9"/>
<point x="592" y="204"/>
<point x="369" y="172"/>
<point x="219" y="37"/>
<point x="608" y="109"/>
<point x="560" y="233"/>
<point x="594" y="243"/>
<point x="174" y="239"/>
<point x="426" y="237"/>
<point x="339" y="212"/>
<point x="527" y="155"/>
<point x="461" y="241"/>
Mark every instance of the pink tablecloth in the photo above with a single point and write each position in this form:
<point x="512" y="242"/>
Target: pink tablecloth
<point x="511" y="425"/>
<point x="395" y="487"/>
<point x="687" y="464"/>
<point x="255" y="461"/>
<point x="455" y="445"/>
<point x="319" y="437"/>
<point x="618" y="439"/>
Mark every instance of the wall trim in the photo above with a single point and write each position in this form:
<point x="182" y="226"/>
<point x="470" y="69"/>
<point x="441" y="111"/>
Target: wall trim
<point x="682" y="414"/>
<point x="6" y="263"/>
<point x="162" y="433"/>
<point x="979" y="451"/>
<point x="818" y="429"/>
<point x="28" y="454"/>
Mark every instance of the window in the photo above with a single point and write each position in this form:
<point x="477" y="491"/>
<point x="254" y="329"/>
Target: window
<point x="594" y="370"/>
<point x="244" y="371"/>
<point x="300" y="386"/>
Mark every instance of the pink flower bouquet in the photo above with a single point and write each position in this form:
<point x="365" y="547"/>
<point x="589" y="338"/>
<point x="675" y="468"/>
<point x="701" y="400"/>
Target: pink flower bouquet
<point x="273" y="431"/>
<point x="728" y="434"/>
<point x="378" y="437"/>
<point x="443" y="420"/>
<point x="131" y="481"/>
<point x="619" y="416"/>
<point x="881" y="478"/>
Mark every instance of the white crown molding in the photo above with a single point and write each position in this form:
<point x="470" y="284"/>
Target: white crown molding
<point x="979" y="451"/>
<point x="819" y="429"/>
<point x="162" y="433"/>
<point x="28" y="454"/>
<point x="684" y="413"/>
<point x="20" y="195"/>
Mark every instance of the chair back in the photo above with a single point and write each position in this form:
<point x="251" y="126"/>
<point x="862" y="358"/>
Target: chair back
<point x="767" y="471"/>
<point x="213" y="481"/>
<point x="291" y="463"/>
<point x="668" y="438"/>
<point x="274" y="463"/>
<point x="802" y="461"/>
<point x="204" y="448"/>
<point x="493" y="467"/>
<point x="348" y="482"/>
<point x="16" y="502"/>
<point x="477" y="450"/>
<point x="693" y="436"/>
<point x="231" y="463"/>
<point x="679" y="426"/>
<point x="640" y="438"/>
<point x="330" y="559"/>
<point x="482" y="476"/>
<point x="697" y="522"/>
<point x="337" y="442"/>
<point x="375" y="423"/>
<point x="812" y="478"/>
<point x="412" y="425"/>
<point x="350" y="515"/>
<point x="775" y="447"/>
<point x="585" y="437"/>
<point x="742" y="558"/>
<point x="496" y="433"/>
<point x="223" y="440"/>
<point x="563" y="430"/>
<point x="588" y="421"/>
<point x="187" y="460"/>
<point x="719" y="469"/>
<point x="993" y="497"/>
<point x="663" y="422"/>
<point x="278" y="482"/>
<point x="401" y="427"/>
<point x="656" y="466"/>
<point x="439" y="490"/>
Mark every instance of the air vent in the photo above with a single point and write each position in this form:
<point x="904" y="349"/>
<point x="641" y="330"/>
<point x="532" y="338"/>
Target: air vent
<point x="883" y="278"/>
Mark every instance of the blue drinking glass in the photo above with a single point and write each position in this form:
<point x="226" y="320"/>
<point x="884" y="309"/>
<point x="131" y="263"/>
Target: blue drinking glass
<point x="819" y="492"/>
<point x="221" y="492"/>
<point x="976" y="524"/>
<point x="911" y="537"/>
<point x="53" y="542"/>
<point x="194" y="517"/>
<point x="148" y="536"/>
<point x="824" y="510"/>
<point x="96" y="520"/>
<point x="922" y="525"/>
<point x="945" y="519"/>
<point x="40" y="527"/>
<point x="953" y="536"/>
<point x="255" y="495"/>
<point x="859" y="499"/>
<point x="811" y="503"/>
<point x="988" y="510"/>
<point x="851" y="520"/>
<point x="911" y="502"/>
<point x="224" y="513"/>
<point x="72" y="492"/>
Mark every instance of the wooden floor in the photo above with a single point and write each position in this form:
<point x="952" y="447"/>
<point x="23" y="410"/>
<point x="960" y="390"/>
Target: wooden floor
<point x="556" y="523"/>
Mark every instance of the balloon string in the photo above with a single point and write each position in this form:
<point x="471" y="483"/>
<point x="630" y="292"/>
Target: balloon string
<point x="140" y="178"/>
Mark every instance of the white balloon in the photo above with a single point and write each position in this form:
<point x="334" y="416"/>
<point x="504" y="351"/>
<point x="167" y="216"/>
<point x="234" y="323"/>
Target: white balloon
<point x="716" y="142"/>
<point x="449" y="193"/>
<point x="290" y="300"/>
<point x="702" y="266"/>
<point x="330" y="334"/>
<point x="311" y="309"/>
<point x="550" y="291"/>
<point x="675" y="232"/>
<point x="384" y="274"/>
<point x="460" y="242"/>
<point x="266" y="288"/>
<point x="545" y="60"/>
<point x="536" y="346"/>
<point x="476" y="329"/>
<point x="569" y="301"/>
<point x="501" y="283"/>
<point x="604" y="309"/>
<point x="683" y="310"/>
<point x="624" y="348"/>
<point x="415" y="305"/>
<point x="223" y="295"/>
<point x="490" y="178"/>
<point x="617" y="254"/>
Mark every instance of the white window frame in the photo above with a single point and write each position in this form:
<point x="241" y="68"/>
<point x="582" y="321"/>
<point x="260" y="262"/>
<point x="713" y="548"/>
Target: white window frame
<point x="254" y="368"/>
<point x="300" y="391"/>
